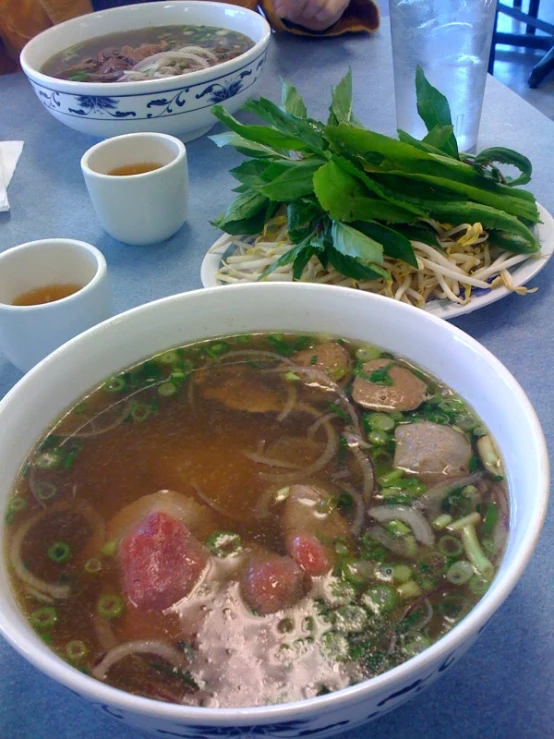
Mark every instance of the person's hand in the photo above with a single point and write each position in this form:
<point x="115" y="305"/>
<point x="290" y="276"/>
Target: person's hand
<point x="316" y="15"/>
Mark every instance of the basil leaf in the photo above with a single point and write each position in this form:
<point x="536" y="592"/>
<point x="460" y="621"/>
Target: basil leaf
<point x="506" y="156"/>
<point x="248" y="148"/>
<point x="250" y="173"/>
<point x="260" y="134"/>
<point x="302" y="260"/>
<point x="394" y="244"/>
<point x="353" y="243"/>
<point x="438" y="137"/>
<point x="288" y="183"/>
<point x="341" y="102"/>
<point x="345" y="197"/>
<point x="286" y="258"/>
<point x="434" y="110"/>
<point x="302" y="215"/>
<point x="246" y="211"/>
<point x="306" y="130"/>
<point x="350" y="267"/>
<point x="291" y="101"/>
<point x="420" y="232"/>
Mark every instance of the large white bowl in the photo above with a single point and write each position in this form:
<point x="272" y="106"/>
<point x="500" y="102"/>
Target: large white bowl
<point x="176" y="105"/>
<point x="52" y="386"/>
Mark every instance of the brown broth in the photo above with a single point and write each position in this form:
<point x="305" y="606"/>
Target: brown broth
<point x="130" y="169"/>
<point x="47" y="294"/>
<point x="107" y="58"/>
<point x="198" y="420"/>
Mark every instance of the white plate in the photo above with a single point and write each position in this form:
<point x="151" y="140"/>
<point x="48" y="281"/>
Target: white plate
<point x="441" y="308"/>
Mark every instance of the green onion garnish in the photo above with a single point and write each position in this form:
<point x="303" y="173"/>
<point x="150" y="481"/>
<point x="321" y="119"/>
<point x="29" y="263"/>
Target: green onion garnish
<point x="110" y="606"/>
<point x="44" y="618"/>
<point x="59" y="552"/>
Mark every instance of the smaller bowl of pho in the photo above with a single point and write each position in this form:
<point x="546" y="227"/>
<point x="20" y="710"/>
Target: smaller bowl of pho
<point x="311" y="502"/>
<point x="150" y="67"/>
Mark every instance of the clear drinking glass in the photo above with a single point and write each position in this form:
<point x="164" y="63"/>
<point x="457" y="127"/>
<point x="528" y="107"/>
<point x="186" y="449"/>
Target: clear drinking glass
<point x="451" y="40"/>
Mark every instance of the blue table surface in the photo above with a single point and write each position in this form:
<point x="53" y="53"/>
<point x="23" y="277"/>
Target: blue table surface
<point x="504" y="686"/>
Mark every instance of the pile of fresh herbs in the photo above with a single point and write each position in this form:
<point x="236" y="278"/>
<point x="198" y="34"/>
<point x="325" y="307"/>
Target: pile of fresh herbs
<point x="353" y="196"/>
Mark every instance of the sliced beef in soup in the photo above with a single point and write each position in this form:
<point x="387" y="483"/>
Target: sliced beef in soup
<point x="329" y="357"/>
<point x="311" y="527"/>
<point x="161" y="562"/>
<point x="271" y="583"/>
<point x="242" y="389"/>
<point x="388" y="387"/>
<point x="431" y="451"/>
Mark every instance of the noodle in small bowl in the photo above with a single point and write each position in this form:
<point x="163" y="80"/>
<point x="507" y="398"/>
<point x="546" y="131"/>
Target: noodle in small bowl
<point x="155" y="95"/>
<point x="468" y="275"/>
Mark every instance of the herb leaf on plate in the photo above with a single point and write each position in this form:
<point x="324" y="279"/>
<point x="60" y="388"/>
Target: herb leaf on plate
<point x="352" y="197"/>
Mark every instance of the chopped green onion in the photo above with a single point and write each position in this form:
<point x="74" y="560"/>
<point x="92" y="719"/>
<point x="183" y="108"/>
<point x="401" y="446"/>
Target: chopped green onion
<point x="9" y="517"/>
<point x="396" y="528"/>
<point x="109" y="549"/>
<point x="169" y="357"/>
<point x="110" y="606"/>
<point x="48" y="460"/>
<point x="367" y="353"/>
<point x="390" y="478"/>
<point x="45" y="490"/>
<point x="380" y="599"/>
<point x="308" y="624"/>
<point x="416" y="645"/>
<point x="478" y="585"/>
<point x="291" y="376"/>
<point x="334" y="408"/>
<point x="475" y="554"/>
<point x="442" y="521"/>
<point x="460" y="572"/>
<point x="350" y="618"/>
<point x="471" y="518"/>
<point x="381" y="422"/>
<point x="224" y="543"/>
<point x="450" y="546"/>
<point x="335" y="645"/>
<point x="378" y="438"/>
<point x="59" y="552"/>
<point x="141" y="411"/>
<point x="167" y="389"/>
<point x="115" y="384"/>
<point x="44" y="618"/>
<point x="93" y="565"/>
<point x="409" y="590"/>
<point x="76" y="650"/>
<point x="490" y="520"/>
<point x="402" y="573"/>
<point x="285" y="625"/>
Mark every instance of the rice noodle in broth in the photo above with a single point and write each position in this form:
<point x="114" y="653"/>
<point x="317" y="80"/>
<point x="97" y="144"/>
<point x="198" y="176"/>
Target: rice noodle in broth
<point x="148" y="53"/>
<point x="238" y="522"/>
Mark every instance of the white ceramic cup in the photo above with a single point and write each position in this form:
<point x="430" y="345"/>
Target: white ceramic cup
<point x="138" y="209"/>
<point x="28" y="333"/>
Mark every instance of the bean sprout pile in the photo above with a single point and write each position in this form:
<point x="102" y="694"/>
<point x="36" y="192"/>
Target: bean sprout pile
<point x="467" y="263"/>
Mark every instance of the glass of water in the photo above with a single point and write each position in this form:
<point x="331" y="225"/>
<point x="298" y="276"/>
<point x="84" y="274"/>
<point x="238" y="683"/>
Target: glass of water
<point x="451" y="40"/>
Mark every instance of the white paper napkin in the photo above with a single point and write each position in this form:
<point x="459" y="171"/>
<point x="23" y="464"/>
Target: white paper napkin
<point x="9" y="155"/>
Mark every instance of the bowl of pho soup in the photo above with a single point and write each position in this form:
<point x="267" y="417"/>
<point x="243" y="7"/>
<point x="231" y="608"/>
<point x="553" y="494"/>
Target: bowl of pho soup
<point x="279" y="508"/>
<point x="150" y="67"/>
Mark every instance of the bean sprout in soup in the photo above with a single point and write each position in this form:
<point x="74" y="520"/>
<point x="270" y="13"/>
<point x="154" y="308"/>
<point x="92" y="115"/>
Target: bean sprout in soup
<point x="148" y="53"/>
<point x="256" y="519"/>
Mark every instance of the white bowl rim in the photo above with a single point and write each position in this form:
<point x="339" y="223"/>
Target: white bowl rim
<point x="480" y="614"/>
<point x="141" y="86"/>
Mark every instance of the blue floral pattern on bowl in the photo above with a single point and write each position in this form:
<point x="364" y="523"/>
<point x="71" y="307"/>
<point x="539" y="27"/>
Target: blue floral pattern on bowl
<point x="179" y="100"/>
<point x="319" y="724"/>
